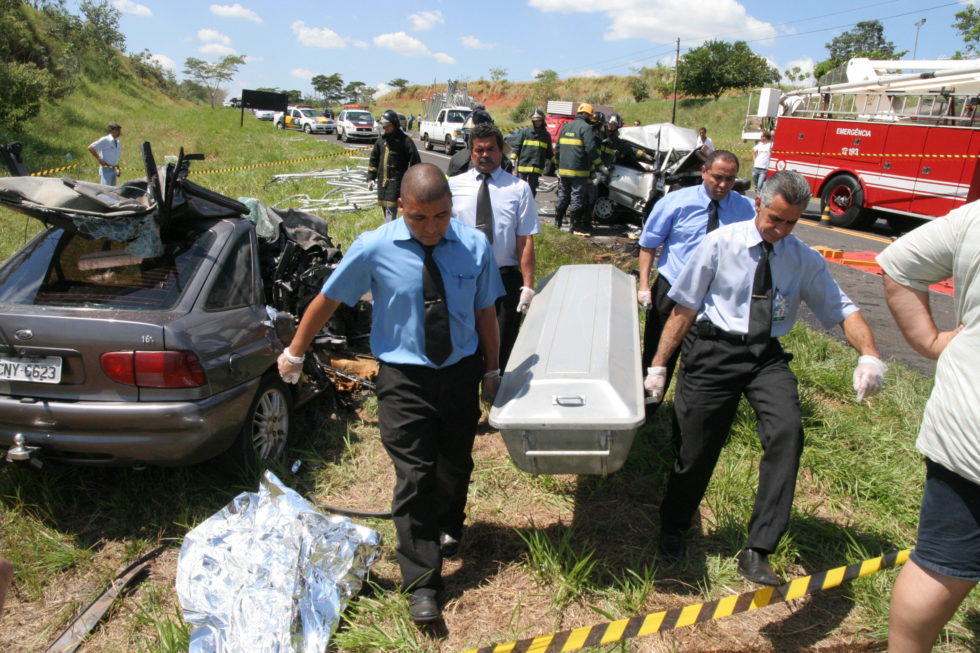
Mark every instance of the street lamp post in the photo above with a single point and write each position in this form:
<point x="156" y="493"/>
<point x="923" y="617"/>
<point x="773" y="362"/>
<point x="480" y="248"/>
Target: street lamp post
<point x="915" y="48"/>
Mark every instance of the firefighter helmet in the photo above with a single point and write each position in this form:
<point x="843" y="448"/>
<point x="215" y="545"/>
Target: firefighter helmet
<point x="537" y="115"/>
<point x="585" y="107"/>
<point x="598" y="118"/>
<point x="389" y="117"/>
<point x="615" y="119"/>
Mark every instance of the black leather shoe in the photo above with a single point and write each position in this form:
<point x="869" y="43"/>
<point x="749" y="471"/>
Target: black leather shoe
<point x="672" y="546"/>
<point x="448" y="545"/>
<point x="423" y="608"/>
<point x="754" y="565"/>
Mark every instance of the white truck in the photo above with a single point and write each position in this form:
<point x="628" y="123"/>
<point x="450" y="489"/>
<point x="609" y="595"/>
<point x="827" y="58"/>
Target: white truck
<point x="446" y="129"/>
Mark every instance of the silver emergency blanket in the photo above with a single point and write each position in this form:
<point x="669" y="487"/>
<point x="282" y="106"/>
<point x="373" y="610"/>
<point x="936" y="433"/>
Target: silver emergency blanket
<point x="269" y="573"/>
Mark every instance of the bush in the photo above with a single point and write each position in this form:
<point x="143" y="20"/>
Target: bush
<point x="639" y="89"/>
<point x="523" y="110"/>
<point x="22" y="88"/>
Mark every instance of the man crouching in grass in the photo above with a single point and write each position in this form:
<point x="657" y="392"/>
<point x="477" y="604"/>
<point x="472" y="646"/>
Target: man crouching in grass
<point x="436" y="341"/>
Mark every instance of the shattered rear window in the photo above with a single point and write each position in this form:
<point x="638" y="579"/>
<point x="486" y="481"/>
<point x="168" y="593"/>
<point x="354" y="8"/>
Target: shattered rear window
<point x="64" y="269"/>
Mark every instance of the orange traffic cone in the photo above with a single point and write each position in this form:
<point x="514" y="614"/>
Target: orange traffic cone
<point x="825" y="218"/>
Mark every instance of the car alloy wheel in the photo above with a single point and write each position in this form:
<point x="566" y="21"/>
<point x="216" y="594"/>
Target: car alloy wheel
<point x="267" y="430"/>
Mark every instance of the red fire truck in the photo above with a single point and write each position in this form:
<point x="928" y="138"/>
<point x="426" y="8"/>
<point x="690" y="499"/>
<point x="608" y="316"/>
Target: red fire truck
<point x="902" y="145"/>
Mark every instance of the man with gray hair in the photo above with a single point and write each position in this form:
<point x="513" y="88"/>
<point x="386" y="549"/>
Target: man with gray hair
<point x="741" y="290"/>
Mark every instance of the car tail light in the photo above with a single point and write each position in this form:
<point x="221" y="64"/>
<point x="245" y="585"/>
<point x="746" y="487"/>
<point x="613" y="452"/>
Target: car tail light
<point x="154" y="369"/>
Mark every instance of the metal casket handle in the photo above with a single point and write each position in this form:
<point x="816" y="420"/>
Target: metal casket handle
<point x="568" y="400"/>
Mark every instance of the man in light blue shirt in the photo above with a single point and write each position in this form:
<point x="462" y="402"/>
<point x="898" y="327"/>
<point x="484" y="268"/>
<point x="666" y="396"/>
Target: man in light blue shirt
<point x="107" y="151"/>
<point x="741" y="290"/>
<point x="678" y="223"/>
<point x="514" y="224"/>
<point x="428" y="408"/>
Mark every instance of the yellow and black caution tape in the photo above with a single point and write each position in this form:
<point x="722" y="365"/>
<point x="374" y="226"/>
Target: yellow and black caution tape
<point x="44" y="173"/>
<point x="658" y="622"/>
<point x="267" y="164"/>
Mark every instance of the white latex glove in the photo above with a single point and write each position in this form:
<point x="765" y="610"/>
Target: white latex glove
<point x="645" y="299"/>
<point x="655" y="382"/>
<point x="290" y="367"/>
<point x="524" y="303"/>
<point x="491" y="383"/>
<point x="869" y="376"/>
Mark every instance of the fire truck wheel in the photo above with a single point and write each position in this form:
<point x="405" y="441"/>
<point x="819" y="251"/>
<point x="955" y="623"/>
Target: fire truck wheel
<point x="845" y="198"/>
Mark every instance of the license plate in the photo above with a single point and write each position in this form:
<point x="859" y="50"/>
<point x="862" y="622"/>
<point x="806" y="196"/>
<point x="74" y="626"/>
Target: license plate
<point x="35" y="369"/>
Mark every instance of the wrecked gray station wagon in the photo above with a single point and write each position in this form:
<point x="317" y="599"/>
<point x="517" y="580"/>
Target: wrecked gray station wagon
<point x="142" y="325"/>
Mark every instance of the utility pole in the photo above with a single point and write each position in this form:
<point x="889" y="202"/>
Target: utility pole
<point x="677" y="60"/>
<point x="915" y="48"/>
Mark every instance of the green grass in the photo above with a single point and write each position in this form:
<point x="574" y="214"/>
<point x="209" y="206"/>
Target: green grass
<point x="543" y="551"/>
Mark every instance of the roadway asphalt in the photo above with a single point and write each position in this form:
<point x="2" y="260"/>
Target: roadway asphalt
<point x="863" y="287"/>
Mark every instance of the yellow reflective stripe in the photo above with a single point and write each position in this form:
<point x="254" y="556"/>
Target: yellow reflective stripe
<point x="570" y="141"/>
<point x="388" y="204"/>
<point x="529" y="169"/>
<point x="535" y="143"/>
<point x="562" y="172"/>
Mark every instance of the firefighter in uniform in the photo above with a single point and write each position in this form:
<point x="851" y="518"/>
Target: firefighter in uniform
<point x="531" y="150"/>
<point x="616" y="150"/>
<point x="576" y="155"/>
<point x="394" y="152"/>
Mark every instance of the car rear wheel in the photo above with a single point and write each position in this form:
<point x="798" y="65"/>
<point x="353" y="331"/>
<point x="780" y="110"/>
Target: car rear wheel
<point x="427" y="142"/>
<point x="265" y="430"/>
<point x="844" y="196"/>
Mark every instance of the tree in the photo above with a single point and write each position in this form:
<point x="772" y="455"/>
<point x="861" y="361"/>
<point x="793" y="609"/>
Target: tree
<point x="357" y="92"/>
<point x="545" y="83"/>
<point x="639" y="89"/>
<point x="330" y="87"/>
<point x="212" y="75"/>
<point x="717" y="66"/>
<point x="796" y="74"/>
<point x="866" y="39"/>
<point x="102" y="26"/>
<point x="968" y="25"/>
<point x="399" y="83"/>
<point x="498" y="74"/>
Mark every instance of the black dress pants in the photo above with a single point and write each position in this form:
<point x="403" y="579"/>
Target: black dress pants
<point x="508" y="319"/>
<point x="656" y="319"/>
<point x="714" y="374"/>
<point x="428" y="420"/>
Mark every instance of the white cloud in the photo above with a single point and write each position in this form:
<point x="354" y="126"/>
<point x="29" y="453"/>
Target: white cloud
<point x="302" y="73"/>
<point x="360" y="44"/>
<point x="426" y="20"/>
<point x="130" y="7"/>
<point x="409" y="46"/>
<point x="250" y="59"/>
<point x="213" y="35"/>
<point x="216" y="48"/>
<point x="317" y="37"/>
<point x="235" y="11"/>
<point x="382" y="89"/>
<point x="587" y="72"/>
<point x="656" y="20"/>
<point x="164" y="61"/>
<point x="475" y="43"/>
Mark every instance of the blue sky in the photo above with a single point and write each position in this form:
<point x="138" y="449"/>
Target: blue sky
<point x="373" y="41"/>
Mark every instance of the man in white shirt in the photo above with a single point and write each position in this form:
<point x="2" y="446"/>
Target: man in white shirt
<point x="705" y="144"/>
<point x="508" y="216"/>
<point x="107" y="151"/>
<point x="760" y="166"/>
<point x="744" y="285"/>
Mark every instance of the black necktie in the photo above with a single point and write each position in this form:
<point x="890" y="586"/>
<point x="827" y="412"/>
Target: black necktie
<point x="760" y="313"/>
<point x="438" y="343"/>
<point x="484" y="210"/>
<point x="712" y="216"/>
